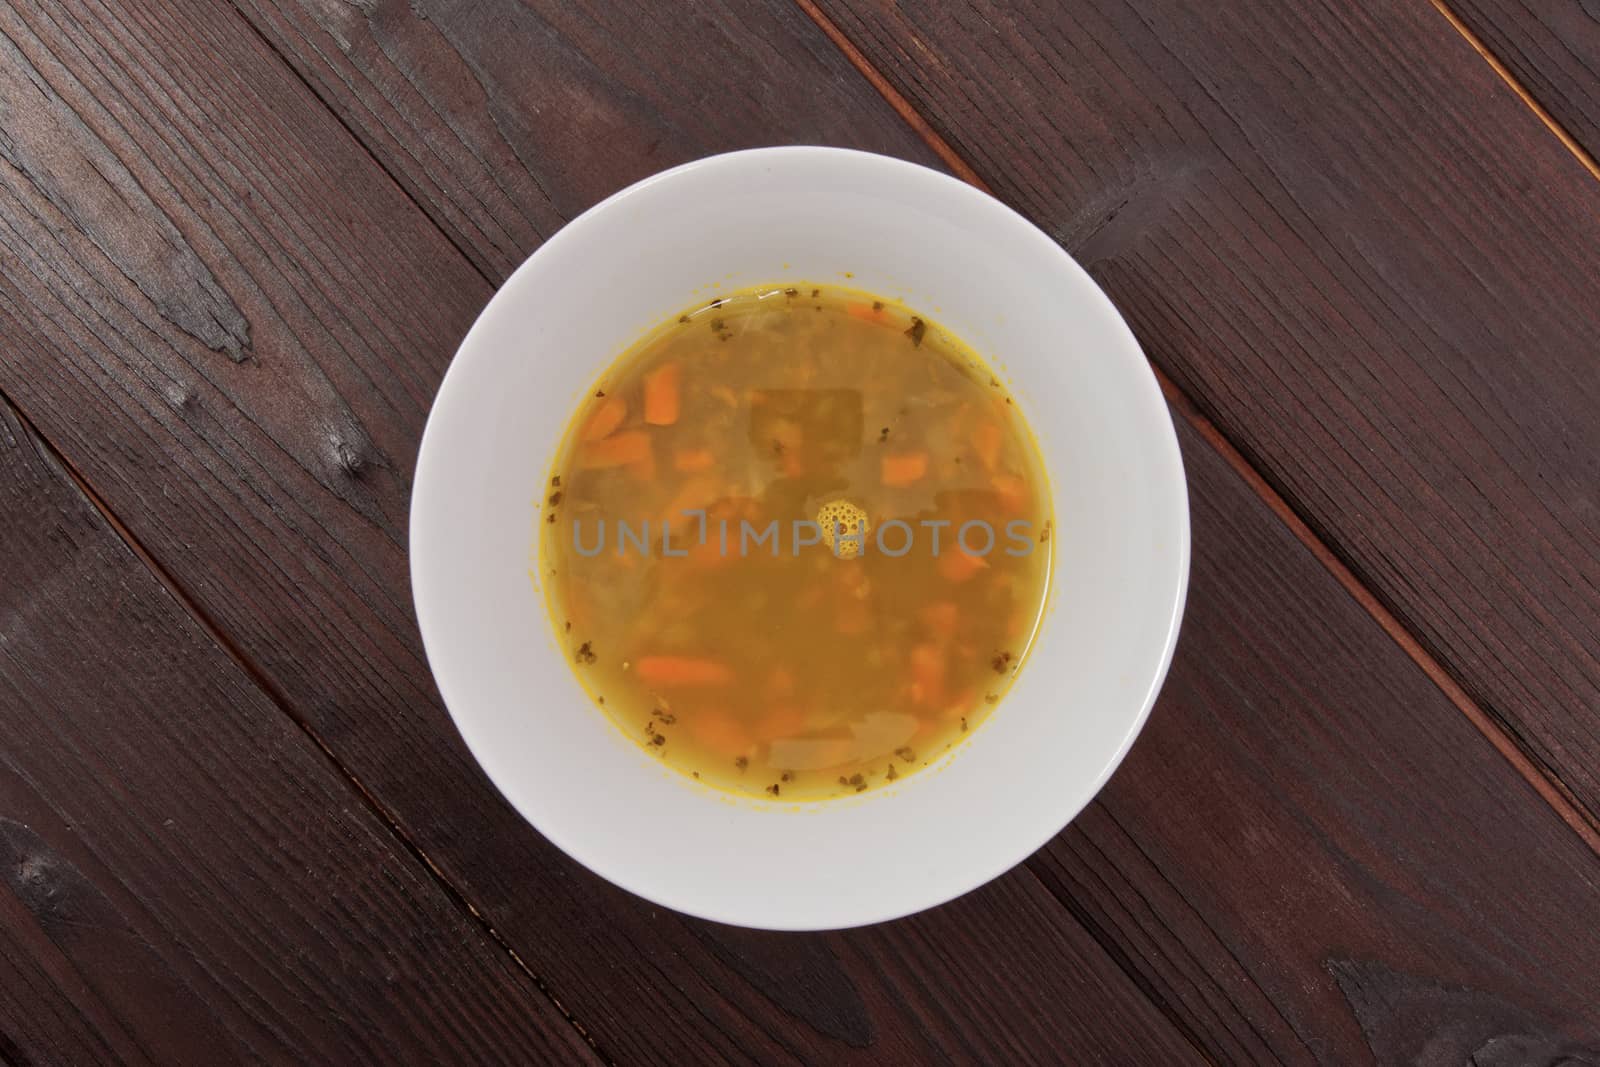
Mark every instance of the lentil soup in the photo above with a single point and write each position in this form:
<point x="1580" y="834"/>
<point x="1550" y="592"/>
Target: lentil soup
<point x="797" y="542"/>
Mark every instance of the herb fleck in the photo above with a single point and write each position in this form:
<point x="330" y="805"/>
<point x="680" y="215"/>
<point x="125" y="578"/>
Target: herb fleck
<point x="585" y="653"/>
<point x="892" y="774"/>
<point x="556" y="481"/>
<point x="916" y="331"/>
<point x="599" y="394"/>
<point x="555" y="498"/>
<point x="551" y="518"/>
<point x="742" y="762"/>
<point x="1001" y="663"/>
<point x="787" y="776"/>
<point x="1044" y="535"/>
<point x="773" y="789"/>
<point x="905" y="753"/>
<point x="877" y="305"/>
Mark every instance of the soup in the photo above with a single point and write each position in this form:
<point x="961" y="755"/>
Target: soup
<point x="797" y="542"/>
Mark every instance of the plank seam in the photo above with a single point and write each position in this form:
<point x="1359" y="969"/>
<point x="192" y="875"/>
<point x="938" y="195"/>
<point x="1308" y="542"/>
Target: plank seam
<point x="273" y="693"/>
<point x="1529" y="101"/>
<point x="1503" y="738"/>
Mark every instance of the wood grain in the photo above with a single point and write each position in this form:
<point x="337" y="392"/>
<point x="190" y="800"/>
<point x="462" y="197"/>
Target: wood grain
<point x="270" y="483"/>
<point x="1309" y="855"/>
<point x="503" y="120"/>
<point x="291" y="568"/>
<point x="183" y="878"/>
<point x="1550" y="53"/>
<point x="1404" y="349"/>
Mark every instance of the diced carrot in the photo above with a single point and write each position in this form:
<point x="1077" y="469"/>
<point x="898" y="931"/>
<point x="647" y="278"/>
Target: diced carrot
<point x="941" y="617"/>
<point x="1013" y="493"/>
<point x="866" y="313"/>
<point x="927" y="674"/>
<point x="661" y="394"/>
<point x="718" y="733"/>
<point x="958" y="566"/>
<point x="618" y="450"/>
<point x="781" y="683"/>
<point x="694" y="495"/>
<point x="682" y="670"/>
<point x="690" y="460"/>
<point x="782" y="721"/>
<point x="709" y="552"/>
<point x="986" y="442"/>
<point x="963" y="703"/>
<point x="607" y="416"/>
<point x="901" y="469"/>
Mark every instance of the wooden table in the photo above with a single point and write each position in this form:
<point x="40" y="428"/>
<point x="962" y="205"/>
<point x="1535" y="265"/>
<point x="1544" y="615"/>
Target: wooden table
<point x="1360" y="239"/>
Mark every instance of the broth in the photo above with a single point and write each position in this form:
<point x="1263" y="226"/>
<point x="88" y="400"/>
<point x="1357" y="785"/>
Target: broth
<point x="706" y="566"/>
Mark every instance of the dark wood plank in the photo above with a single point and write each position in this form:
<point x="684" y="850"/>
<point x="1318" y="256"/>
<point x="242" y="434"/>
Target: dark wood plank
<point x="506" y="119"/>
<point x="183" y="878"/>
<point x="1309" y="855"/>
<point x="1552" y="50"/>
<point x="256" y="319"/>
<point x="712" y="992"/>
<point x="1362" y="257"/>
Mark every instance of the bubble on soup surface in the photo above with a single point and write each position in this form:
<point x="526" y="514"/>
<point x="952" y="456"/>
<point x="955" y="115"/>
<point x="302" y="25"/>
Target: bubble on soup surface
<point x="844" y="528"/>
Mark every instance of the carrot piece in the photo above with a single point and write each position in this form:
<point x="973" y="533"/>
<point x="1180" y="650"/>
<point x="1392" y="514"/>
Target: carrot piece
<point x="682" y="670"/>
<point x="781" y="684"/>
<point x="927" y="674"/>
<point x="986" y="442"/>
<point x="958" y="566"/>
<point x="866" y="313"/>
<point x="691" y="460"/>
<point x="941" y="617"/>
<point x="618" y="450"/>
<point x="607" y="416"/>
<point x="1013" y="493"/>
<point x="901" y="469"/>
<point x="661" y="394"/>
<point x="708" y="553"/>
<point x="718" y="733"/>
<point x="781" y="722"/>
<point x="964" y="703"/>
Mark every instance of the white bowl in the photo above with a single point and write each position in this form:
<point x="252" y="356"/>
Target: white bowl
<point x="1121" y="536"/>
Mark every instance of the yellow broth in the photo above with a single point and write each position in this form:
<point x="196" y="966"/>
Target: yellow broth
<point x="722" y="631"/>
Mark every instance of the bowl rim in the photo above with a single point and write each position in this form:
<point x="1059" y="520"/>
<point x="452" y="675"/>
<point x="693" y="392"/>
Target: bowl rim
<point x="1167" y="458"/>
